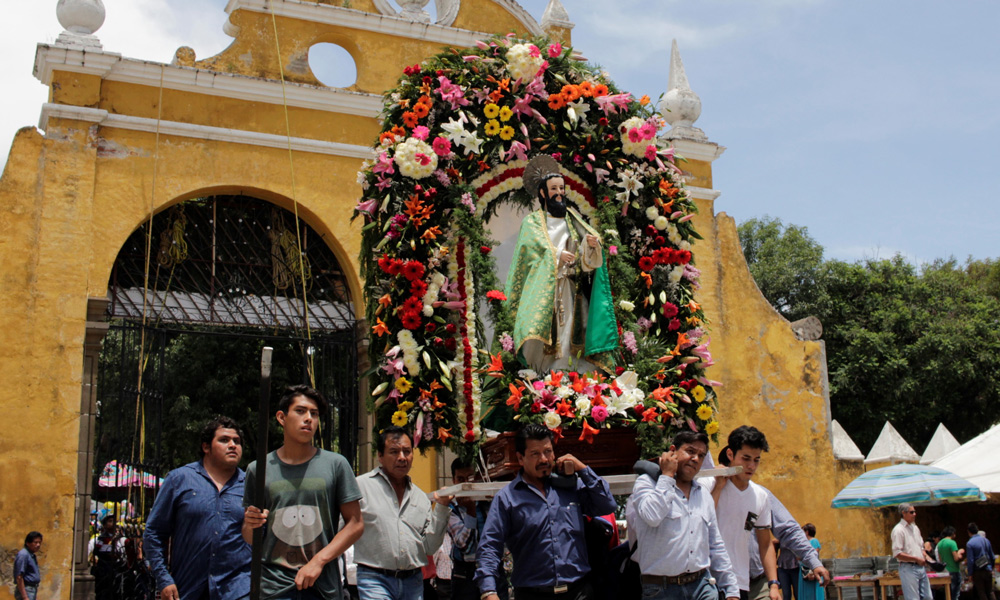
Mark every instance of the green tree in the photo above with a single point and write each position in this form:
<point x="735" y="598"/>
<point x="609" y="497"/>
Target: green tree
<point x="913" y="346"/>
<point x="785" y="261"/>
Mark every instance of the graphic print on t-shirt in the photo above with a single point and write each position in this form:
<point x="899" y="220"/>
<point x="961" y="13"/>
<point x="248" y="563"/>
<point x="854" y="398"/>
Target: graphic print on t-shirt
<point x="298" y="529"/>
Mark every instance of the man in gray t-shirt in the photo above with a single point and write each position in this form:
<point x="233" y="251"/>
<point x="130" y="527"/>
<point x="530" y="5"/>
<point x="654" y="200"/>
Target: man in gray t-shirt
<point x="308" y="491"/>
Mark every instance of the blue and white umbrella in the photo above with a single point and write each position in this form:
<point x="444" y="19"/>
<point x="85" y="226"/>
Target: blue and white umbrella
<point x="917" y="484"/>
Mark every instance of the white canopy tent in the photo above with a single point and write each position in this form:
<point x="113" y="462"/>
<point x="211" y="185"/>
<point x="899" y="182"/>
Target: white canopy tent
<point x="976" y="461"/>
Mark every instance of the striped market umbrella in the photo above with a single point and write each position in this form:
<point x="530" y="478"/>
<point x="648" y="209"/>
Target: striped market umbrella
<point x="917" y="484"/>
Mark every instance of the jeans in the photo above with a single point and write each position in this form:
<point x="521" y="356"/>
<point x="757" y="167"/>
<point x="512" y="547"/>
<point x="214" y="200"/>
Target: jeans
<point x="956" y="584"/>
<point x="31" y="590"/>
<point x="375" y="586"/>
<point x="789" y="581"/>
<point x="306" y="594"/>
<point x="982" y="584"/>
<point x="702" y="589"/>
<point x="913" y="580"/>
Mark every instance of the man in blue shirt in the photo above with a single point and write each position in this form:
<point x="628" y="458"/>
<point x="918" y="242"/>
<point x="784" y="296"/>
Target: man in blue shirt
<point x="198" y="515"/>
<point x="673" y="517"/>
<point x="26" y="574"/>
<point x="979" y="560"/>
<point x="541" y="521"/>
<point x="465" y="525"/>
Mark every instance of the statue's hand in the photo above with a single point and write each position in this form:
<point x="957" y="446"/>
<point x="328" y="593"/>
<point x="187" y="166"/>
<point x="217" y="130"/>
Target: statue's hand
<point x="567" y="258"/>
<point x="592" y="241"/>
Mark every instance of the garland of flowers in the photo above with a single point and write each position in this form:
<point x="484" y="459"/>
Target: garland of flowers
<point x="457" y="133"/>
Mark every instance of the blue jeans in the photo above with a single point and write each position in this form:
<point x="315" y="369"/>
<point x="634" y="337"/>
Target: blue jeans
<point x="789" y="581"/>
<point x="913" y="580"/>
<point x="375" y="586"/>
<point x="31" y="590"/>
<point x="696" y="590"/>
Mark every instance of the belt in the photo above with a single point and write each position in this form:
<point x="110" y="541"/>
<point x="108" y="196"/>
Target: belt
<point x="683" y="579"/>
<point x="401" y="574"/>
<point x="550" y="589"/>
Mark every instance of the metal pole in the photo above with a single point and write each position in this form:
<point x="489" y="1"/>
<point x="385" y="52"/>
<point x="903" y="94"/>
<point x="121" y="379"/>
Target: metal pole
<point x="260" y="487"/>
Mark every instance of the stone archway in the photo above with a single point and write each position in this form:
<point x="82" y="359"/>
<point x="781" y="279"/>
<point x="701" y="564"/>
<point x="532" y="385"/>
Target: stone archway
<point x="229" y="273"/>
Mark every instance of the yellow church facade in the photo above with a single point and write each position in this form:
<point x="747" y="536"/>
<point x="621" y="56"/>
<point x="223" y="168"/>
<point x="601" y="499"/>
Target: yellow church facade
<point x="125" y="139"/>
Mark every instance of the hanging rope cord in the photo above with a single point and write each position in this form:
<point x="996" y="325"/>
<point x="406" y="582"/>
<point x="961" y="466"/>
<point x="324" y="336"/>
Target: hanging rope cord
<point x="295" y="202"/>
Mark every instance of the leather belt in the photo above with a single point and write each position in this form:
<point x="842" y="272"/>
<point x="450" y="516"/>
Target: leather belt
<point x="549" y="589"/>
<point x="682" y="579"/>
<point x="401" y="574"/>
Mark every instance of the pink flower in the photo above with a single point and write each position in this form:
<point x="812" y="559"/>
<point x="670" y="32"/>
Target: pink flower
<point x="422" y="158"/>
<point x="555" y="50"/>
<point x="507" y="342"/>
<point x="648" y="131"/>
<point x="538" y="385"/>
<point x="651" y="152"/>
<point x="535" y="52"/>
<point x="599" y="413"/>
<point x="612" y="250"/>
<point x="634" y="135"/>
<point x="367" y="207"/>
<point x="383" y="165"/>
<point x="420" y="132"/>
<point x="441" y="145"/>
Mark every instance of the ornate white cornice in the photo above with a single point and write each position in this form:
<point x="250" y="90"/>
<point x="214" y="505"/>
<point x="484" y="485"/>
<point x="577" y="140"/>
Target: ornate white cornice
<point x="201" y="132"/>
<point x="113" y="67"/>
<point x="379" y="23"/>
<point x="700" y="193"/>
<point x="692" y="150"/>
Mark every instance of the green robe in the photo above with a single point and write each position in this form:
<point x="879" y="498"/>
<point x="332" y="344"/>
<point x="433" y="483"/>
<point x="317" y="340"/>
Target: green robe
<point x="531" y="285"/>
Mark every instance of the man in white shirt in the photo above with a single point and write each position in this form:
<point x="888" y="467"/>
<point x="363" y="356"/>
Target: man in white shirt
<point x="744" y="509"/>
<point x="908" y="548"/>
<point x="676" y="530"/>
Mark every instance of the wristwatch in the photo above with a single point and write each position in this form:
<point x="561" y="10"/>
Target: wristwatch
<point x="773" y="582"/>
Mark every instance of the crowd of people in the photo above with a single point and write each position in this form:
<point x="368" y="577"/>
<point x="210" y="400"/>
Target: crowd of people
<point x="690" y="538"/>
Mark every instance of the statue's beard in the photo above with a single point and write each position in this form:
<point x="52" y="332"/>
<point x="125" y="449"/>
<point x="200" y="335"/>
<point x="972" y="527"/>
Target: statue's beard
<point x="555" y="205"/>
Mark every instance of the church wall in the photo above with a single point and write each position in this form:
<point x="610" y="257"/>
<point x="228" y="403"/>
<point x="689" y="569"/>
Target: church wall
<point x="777" y="383"/>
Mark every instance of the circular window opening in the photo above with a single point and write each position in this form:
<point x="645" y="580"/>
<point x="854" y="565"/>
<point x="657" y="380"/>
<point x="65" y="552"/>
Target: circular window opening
<point x="332" y="65"/>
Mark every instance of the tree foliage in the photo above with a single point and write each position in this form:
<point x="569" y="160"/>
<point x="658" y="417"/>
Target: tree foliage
<point x="915" y="346"/>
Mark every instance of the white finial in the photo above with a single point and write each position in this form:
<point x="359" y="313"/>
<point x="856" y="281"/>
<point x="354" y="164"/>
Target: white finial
<point x="555" y="15"/>
<point x="80" y="18"/>
<point x="680" y="106"/>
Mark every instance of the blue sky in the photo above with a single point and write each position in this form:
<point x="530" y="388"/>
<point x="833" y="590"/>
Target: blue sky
<point x="872" y="124"/>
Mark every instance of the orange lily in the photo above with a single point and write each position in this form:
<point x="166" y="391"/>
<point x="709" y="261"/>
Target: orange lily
<point x="444" y="434"/>
<point x="588" y="433"/>
<point x="379" y="328"/>
<point x="496" y="365"/>
<point x="647" y="278"/>
<point x="661" y="394"/>
<point x="555" y="378"/>
<point x="431" y="234"/>
<point x="693" y="306"/>
<point x="565" y="409"/>
<point x="385" y="300"/>
<point x="515" y="397"/>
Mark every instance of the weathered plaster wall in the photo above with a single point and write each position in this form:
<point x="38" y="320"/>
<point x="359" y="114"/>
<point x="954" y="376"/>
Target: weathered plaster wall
<point x="778" y="384"/>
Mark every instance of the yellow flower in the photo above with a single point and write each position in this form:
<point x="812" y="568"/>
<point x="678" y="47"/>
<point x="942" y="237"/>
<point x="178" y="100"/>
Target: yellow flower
<point x="405" y="406"/>
<point x="698" y="393"/>
<point x="704" y="412"/>
<point x="403" y="385"/>
<point x="506" y="113"/>
<point x="491" y="111"/>
<point x="506" y="133"/>
<point x="399" y="418"/>
<point x="492" y="127"/>
<point x="712" y="428"/>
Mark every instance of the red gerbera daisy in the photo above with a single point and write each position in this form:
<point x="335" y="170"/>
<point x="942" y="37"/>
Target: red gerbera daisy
<point x="418" y="288"/>
<point x="395" y="266"/>
<point x="670" y="310"/>
<point x="413" y="269"/>
<point x="411" y="320"/>
<point x="646" y="263"/>
<point x="412" y="304"/>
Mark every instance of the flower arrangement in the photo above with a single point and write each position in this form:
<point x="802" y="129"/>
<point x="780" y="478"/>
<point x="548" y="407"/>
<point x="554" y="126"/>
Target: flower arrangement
<point x="457" y="133"/>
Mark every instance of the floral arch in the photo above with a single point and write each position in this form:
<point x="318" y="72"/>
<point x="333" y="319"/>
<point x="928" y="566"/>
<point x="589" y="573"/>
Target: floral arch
<point x="457" y="133"/>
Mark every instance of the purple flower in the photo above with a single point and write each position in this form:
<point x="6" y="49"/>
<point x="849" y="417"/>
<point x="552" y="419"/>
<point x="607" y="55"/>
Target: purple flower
<point x="643" y="324"/>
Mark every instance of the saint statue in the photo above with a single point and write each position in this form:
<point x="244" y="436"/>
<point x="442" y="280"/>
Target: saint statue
<point x="557" y="288"/>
